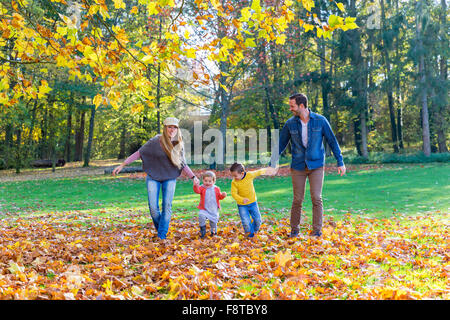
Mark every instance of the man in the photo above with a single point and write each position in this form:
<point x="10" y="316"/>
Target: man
<point x="306" y="130"/>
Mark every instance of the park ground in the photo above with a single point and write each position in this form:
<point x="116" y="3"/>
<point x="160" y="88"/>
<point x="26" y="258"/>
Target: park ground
<point x="80" y="234"/>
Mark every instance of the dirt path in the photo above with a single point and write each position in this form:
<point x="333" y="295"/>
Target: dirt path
<point x="72" y="169"/>
<point x="98" y="167"/>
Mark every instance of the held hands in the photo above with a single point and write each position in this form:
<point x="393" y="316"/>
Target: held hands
<point x="196" y="181"/>
<point x="117" y="169"/>
<point x="270" y="171"/>
<point x="341" y="170"/>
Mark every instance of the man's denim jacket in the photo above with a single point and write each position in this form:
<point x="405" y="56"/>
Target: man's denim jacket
<point x="314" y="155"/>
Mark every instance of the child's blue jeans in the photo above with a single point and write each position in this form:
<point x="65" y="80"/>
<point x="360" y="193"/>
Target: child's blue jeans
<point x="250" y="217"/>
<point x="161" y="219"/>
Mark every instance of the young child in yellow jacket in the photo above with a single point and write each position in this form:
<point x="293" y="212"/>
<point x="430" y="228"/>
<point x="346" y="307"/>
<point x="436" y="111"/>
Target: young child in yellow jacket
<point x="243" y="191"/>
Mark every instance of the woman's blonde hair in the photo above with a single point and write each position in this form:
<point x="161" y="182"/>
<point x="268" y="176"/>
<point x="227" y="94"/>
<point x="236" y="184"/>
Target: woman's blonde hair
<point x="174" y="150"/>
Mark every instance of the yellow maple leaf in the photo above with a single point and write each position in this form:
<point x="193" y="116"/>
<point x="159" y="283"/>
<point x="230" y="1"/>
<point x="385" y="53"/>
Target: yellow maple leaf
<point x="281" y="39"/>
<point x="119" y="4"/>
<point x="340" y="6"/>
<point x="288" y="3"/>
<point x="97" y="100"/>
<point x="281" y="258"/>
<point x="151" y="8"/>
<point x="235" y="245"/>
<point x="14" y="268"/>
<point x="43" y="89"/>
<point x="215" y="4"/>
<point x="250" y="42"/>
<point x="245" y="14"/>
<point x="137" y="108"/>
<point x="191" y="53"/>
<point x="319" y="32"/>
<point x="256" y="6"/>
<point x="308" y="4"/>
<point x="108" y="287"/>
<point x="308" y="27"/>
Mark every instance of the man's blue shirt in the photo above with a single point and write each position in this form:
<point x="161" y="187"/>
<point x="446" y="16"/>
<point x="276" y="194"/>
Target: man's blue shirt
<point x="313" y="155"/>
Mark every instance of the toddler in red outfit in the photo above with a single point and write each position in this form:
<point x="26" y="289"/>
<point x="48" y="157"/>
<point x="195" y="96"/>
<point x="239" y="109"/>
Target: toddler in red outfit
<point x="209" y="206"/>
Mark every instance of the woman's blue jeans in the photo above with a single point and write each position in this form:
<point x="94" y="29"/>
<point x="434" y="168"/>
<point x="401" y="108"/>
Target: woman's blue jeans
<point x="250" y="217"/>
<point x="161" y="219"/>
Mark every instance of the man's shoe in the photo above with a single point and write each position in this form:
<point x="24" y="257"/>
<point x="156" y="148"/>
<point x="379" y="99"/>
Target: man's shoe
<point x="293" y="234"/>
<point x="316" y="234"/>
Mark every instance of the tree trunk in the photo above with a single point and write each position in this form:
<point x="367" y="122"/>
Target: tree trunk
<point x="443" y="71"/>
<point x="33" y="121"/>
<point x="364" y="151"/>
<point x="359" y="87"/>
<point x="87" y="155"/>
<point x="224" y="103"/>
<point x="158" y="87"/>
<point x="269" y="109"/>
<point x="363" y="114"/>
<point x="275" y="92"/>
<point x="44" y="126"/>
<point x="388" y="86"/>
<point x="8" y="144"/>
<point x="398" y="87"/>
<point x="18" y="153"/>
<point x="79" y="136"/>
<point x="423" y="90"/>
<point x="67" y="149"/>
<point x="325" y="86"/>
<point x="357" y="135"/>
<point x="158" y="100"/>
<point x="400" y="126"/>
<point x="123" y="136"/>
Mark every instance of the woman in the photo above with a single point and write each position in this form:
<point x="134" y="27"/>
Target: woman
<point x="163" y="161"/>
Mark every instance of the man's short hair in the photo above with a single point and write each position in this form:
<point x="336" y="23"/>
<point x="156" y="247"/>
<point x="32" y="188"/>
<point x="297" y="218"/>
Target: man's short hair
<point x="237" y="167"/>
<point x="300" y="98"/>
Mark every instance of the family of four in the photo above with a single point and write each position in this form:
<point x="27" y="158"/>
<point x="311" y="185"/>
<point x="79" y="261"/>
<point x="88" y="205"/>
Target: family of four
<point x="163" y="161"/>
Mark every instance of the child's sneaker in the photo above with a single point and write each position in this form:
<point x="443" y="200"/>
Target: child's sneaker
<point x="202" y="231"/>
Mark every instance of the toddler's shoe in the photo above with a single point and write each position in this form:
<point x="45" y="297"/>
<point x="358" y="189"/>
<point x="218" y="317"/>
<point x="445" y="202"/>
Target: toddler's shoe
<point x="202" y="231"/>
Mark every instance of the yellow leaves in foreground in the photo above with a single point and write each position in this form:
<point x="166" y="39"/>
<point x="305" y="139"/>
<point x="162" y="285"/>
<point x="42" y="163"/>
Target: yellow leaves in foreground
<point x="54" y="257"/>
<point x="281" y="258"/>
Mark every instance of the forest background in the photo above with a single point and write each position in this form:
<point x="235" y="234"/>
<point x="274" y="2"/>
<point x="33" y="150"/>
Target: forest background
<point x="94" y="79"/>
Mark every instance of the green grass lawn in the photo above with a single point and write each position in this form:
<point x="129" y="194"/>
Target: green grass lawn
<point x="393" y="189"/>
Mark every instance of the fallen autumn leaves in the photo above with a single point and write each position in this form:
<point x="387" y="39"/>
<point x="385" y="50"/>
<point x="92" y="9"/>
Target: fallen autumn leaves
<point x="50" y="257"/>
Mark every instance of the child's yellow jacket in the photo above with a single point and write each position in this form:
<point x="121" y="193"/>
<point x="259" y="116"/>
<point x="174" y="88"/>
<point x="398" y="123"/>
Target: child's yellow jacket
<point x="244" y="188"/>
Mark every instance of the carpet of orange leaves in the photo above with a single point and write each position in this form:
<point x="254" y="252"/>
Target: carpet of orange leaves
<point x="77" y="256"/>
